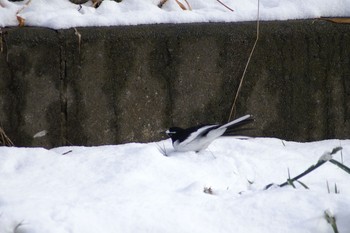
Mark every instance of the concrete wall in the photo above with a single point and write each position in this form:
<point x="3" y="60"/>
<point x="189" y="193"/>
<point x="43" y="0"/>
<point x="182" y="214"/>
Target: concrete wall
<point x="127" y="84"/>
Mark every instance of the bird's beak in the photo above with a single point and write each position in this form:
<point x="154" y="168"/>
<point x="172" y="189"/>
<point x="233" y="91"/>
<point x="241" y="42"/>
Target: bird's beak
<point x="163" y="132"/>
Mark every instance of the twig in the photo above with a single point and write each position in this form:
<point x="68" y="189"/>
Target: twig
<point x="337" y="20"/>
<point x="336" y="190"/>
<point x="302" y="184"/>
<point x="79" y="38"/>
<point x="25" y="5"/>
<point x="67" y="152"/>
<point x="328" y="189"/>
<point x="96" y="3"/>
<point x="189" y="6"/>
<point x="162" y="150"/>
<point x="21" y="21"/>
<point x="180" y="5"/>
<point x="6" y="141"/>
<point x="225" y="5"/>
<point x="341" y="154"/>
<point x="310" y="169"/>
<point x="161" y="3"/>
<point x="283" y="143"/>
<point x="246" y="66"/>
<point x="323" y="159"/>
<point x="340" y="165"/>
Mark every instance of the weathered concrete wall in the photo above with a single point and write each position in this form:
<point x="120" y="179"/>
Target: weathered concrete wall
<point x="30" y="86"/>
<point x="123" y="84"/>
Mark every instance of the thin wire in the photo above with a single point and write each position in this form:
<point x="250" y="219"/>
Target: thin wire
<point x="246" y="66"/>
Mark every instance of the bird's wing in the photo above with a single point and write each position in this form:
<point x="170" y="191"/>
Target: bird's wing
<point x="194" y="135"/>
<point x="215" y="133"/>
<point x="210" y="132"/>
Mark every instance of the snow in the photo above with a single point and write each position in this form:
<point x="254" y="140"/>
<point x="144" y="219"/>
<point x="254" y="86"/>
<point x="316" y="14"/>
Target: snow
<point x="59" y="14"/>
<point x="135" y="188"/>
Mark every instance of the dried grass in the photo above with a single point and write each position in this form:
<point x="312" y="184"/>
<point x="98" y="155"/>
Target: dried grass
<point x="5" y="140"/>
<point x="247" y="64"/>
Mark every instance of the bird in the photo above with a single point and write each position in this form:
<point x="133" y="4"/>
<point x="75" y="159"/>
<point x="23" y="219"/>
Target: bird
<point x="198" y="138"/>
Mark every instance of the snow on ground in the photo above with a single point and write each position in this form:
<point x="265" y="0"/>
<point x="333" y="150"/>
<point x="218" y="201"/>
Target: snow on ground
<point x="64" y="14"/>
<point x="135" y="188"/>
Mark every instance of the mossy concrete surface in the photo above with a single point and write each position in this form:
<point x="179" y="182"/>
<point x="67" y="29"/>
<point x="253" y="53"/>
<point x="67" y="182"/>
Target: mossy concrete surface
<point x="109" y="85"/>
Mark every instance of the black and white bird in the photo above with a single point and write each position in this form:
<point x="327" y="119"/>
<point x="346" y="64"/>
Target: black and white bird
<point x="199" y="137"/>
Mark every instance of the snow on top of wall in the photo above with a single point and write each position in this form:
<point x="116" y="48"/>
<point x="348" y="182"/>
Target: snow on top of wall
<point x="59" y="14"/>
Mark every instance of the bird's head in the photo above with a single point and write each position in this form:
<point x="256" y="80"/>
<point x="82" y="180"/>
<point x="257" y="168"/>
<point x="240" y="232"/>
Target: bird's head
<point x="173" y="131"/>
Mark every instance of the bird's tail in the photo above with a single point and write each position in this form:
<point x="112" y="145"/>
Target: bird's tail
<point x="236" y="126"/>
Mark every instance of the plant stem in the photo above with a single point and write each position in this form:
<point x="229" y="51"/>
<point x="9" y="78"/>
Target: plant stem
<point x="310" y="169"/>
<point x="340" y="165"/>
<point x="331" y="220"/>
<point x="225" y="5"/>
<point x="247" y="64"/>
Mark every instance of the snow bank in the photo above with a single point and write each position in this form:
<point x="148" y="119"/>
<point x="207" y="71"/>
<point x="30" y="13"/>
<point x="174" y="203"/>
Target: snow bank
<point x="135" y="188"/>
